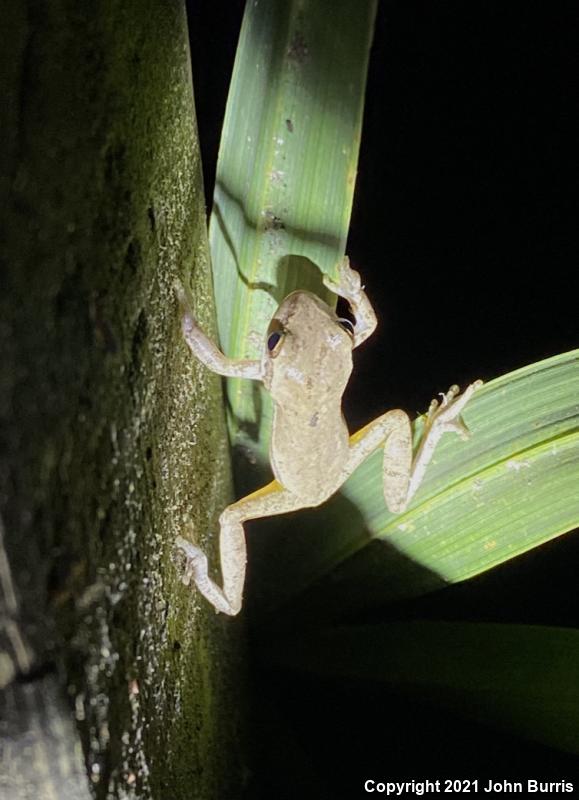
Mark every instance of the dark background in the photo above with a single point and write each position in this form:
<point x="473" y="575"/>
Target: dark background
<point x="465" y="231"/>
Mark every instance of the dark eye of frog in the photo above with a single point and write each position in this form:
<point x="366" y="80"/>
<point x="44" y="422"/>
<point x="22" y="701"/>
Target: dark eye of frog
<point x="275" y="337"/>
<point x="346" y="325"/>
<point x="273" y="340"/>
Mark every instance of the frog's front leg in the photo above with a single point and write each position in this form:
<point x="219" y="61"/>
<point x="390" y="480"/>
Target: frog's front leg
<point x="271" y="499"/>
<point x="403" y="474"/>
<point x="206" y="351"/>
<point x="349" y="286"/>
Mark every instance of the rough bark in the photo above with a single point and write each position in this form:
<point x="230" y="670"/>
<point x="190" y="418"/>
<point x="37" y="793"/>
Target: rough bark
<point x="113" y="439"/>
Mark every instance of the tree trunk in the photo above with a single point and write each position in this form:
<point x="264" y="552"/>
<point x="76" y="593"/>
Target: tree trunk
<point x="113" y="438"/>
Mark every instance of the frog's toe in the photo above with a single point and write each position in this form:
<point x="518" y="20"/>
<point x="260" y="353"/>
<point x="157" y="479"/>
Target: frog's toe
<point x="195" y="560"/>
<point x="446" y="414"/>
<point x="349" y="277"/>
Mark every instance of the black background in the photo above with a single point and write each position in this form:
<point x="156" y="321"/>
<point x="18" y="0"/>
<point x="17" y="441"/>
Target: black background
<point x="465" y="231"/>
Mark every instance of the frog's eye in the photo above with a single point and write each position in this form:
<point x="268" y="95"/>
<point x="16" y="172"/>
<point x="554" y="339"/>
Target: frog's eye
<point x="275" y="336"/>
<point x="273" y="340"/>
<point x="346" y="325"/>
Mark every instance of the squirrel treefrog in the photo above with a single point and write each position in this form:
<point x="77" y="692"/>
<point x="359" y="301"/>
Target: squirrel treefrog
<point x="305" y="365"/>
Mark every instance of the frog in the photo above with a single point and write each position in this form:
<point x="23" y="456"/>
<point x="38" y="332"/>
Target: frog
<point x="305" y="365"/>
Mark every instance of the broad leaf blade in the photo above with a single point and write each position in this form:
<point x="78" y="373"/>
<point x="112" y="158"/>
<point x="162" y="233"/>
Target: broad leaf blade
<point x="512" y="486"/>
<point x="521" y="678"/>
<point x="286" y="174"/>
<point x="282" y="203"/>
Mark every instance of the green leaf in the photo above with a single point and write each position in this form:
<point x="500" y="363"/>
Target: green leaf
<point x="285" y="175"/>
<point x="521" y="678"/>
<point x="512" y="486"/>
<point x="282" y="203"/>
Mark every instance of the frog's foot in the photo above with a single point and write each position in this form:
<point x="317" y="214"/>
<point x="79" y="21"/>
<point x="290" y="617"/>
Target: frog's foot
<point x="195" y="561"/>
<point x="349" y="284"/>
<point x="196" y="568"/>
<point x="444" y="416"/>
<point x="184" y="297"/>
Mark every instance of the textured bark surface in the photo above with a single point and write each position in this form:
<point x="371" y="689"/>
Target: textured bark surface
<point x="113" y="438"/>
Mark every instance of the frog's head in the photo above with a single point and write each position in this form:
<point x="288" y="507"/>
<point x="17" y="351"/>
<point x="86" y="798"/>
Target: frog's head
<point x="308" y="351"/>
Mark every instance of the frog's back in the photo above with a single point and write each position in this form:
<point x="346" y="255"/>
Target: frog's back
<point x="309" y="363"/>
<point x="308" y="454"/>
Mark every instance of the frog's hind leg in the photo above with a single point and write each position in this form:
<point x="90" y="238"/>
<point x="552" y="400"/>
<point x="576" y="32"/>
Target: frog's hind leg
<point x="392" y="430"/>
<point x="267" y="501"/>
<point x="403" y="474"/>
